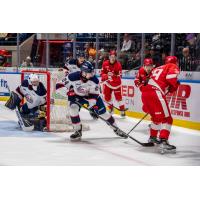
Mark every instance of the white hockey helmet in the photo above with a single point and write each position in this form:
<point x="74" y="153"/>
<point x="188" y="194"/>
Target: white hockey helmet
<point x="33" y="79"/>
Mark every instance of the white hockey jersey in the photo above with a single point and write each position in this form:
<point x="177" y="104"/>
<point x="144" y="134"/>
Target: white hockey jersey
<point x="33" y="98"/>
<point x="89" y="89"/>
<point x="72" y="66"/>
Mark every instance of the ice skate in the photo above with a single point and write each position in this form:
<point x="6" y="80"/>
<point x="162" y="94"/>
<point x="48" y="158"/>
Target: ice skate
<point x="165" y="147"/>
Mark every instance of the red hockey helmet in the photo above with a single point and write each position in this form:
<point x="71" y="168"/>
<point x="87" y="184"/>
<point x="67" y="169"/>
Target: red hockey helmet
<point x="171" y="59"/>
<point x="113" y="53"/>
<point x="148" y="61"/>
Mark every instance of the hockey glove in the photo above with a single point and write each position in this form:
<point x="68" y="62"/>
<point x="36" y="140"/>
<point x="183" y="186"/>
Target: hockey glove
<point x="94" y="112"/>
<point x="93" y="108"/>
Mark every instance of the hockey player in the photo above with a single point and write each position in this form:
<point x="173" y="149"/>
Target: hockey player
<point x="73" y="65"/>
<point x="111" y="74"/>
<point x="162" y="80"/>
<point x="144" y="73"/>
<point x="83" y="87"/>
<point x="34" y="93"/>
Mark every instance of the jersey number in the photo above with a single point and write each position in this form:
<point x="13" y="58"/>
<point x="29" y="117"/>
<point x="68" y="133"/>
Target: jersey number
<point x="156" y="73"/>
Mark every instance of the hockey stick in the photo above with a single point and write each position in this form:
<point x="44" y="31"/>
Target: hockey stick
<point x="21" y="121"/>
<point x="116" y="107"/>
<point x="142" y="119"/>
<point x="115" y="127"/>
<point x="138" y="123"/>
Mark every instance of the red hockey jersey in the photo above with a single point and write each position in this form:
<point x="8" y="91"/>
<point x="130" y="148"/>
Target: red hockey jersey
<point x="164" y="78"/>
<point x="111" y="74"/>
<point x="141" y="78"/>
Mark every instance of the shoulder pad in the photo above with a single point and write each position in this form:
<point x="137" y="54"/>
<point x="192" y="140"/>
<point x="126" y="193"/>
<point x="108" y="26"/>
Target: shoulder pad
<point x="95" y="79"/>
<point x="74" y="76"/>
<point x="25" y="83"/>
<point x="72" y="62"/>
<point x="41" y="89"/>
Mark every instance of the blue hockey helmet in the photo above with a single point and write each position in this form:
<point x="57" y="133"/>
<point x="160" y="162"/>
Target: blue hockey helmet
<point x="87" y="67"/>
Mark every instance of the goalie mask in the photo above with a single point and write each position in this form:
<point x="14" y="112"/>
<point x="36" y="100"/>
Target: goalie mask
<point x="33" y="80"/>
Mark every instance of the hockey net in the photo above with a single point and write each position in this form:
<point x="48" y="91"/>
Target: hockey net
<point x="57" y="110"/>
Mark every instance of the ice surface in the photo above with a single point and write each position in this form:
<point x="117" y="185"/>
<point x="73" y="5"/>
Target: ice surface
<point x="99" y="146"/>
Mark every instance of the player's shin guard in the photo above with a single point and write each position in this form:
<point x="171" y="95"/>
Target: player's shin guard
<point x="166" y="128"/>
<point x="110" y="108"/>
<point x="121" y="105"/>
<point x="75" y="118"/>
<point x="155" y="127"/>
<point x="164" y="134"/>
<point x="122" y="108"/>
<point x="76" y="122"/>
<point x="154" y="133"/>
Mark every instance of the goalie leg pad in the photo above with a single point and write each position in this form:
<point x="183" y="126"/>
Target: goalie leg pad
<point x="13" y="101"/>
<point x="40" y="124"/>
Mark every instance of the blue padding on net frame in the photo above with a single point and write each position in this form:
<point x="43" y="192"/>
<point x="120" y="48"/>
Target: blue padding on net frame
<point x="10" y="72"/>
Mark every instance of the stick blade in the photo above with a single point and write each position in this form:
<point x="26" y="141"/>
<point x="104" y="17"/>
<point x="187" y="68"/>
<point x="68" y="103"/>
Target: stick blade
<point x="148" y="144"/>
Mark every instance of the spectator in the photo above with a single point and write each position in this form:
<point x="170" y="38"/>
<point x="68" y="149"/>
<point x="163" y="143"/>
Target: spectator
<point x="101" y="57"/>
<point x="185" y="62"/>
<point x="27" y="62"/>
<point x="4" y="58"/>
<point x="137" y="62"/>
<point x="156" y="39"/>
<point x="191" y="42"/>
<point x="127" y="43"/>
<point x="90" y="50"/>
<point x="191" y="38"/>
<point x="91" y="60"/>
<point x="154" y="54"/>
<point x="163" y="56"/>
<point x="132" y="61"/>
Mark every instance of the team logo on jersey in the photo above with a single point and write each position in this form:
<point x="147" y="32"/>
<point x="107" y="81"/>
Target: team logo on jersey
<point x="82" y="90"/>
<point x="29" y="98"/>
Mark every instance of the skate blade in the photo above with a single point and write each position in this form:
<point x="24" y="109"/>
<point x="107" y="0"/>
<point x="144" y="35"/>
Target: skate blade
<point x="166" y="151"/>
<point x="123" y="117"/>
<point x="75" y="139"/>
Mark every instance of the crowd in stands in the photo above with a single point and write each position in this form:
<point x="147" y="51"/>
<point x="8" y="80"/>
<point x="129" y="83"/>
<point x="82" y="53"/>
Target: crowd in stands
<point x="10" y="39"/>
<point x="157" y="46"/>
